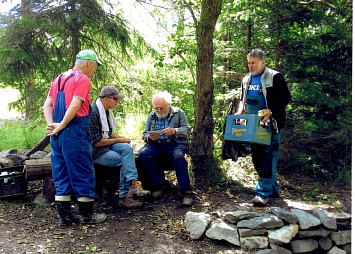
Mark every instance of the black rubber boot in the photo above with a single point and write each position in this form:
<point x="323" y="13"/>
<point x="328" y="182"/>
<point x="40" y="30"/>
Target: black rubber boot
<point x="87" y="216"/>
<point x="66" y="217"/>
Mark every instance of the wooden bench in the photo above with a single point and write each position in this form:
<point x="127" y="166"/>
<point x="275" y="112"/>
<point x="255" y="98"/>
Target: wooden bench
<point x="107" y="178"/>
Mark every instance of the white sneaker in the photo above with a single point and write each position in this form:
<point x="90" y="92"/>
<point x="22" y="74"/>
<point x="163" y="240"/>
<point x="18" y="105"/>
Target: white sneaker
<point x="259" y="201"/>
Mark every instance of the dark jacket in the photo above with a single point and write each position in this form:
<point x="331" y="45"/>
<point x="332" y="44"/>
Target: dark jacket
<point x="96" y="133"/>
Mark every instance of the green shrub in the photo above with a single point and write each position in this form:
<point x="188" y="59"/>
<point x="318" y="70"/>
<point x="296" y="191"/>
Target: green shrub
<point x="20" y="134"/>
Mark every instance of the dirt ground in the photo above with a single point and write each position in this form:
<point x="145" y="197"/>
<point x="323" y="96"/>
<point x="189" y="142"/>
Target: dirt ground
<point x="158" y="227"/>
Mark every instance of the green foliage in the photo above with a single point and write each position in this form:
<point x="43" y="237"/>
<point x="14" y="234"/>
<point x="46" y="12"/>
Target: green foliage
<point x="20" y="134"/>
<point x="316" y="194"/>
<point x="321" y="91"/>
<point x="343" y="177"/>
<point x="42" y="40"/>
<point x="315" y="57"/>
<point x="92" y="249"/>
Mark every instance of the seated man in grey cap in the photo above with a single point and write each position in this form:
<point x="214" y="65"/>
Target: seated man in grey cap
<point x="113" y="150"/>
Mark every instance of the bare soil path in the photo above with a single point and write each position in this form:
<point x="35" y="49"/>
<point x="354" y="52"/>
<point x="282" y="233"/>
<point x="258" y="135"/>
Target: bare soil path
<point x="158" y="228"/>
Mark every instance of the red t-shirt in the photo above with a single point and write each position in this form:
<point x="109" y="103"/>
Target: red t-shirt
<point x="77" y="86"/>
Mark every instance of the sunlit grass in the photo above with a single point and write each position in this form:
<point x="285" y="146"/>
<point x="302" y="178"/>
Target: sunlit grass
<point x="19" y="134"/>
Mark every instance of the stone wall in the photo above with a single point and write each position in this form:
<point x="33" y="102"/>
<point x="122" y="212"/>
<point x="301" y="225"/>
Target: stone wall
<point x="280" y="231"/>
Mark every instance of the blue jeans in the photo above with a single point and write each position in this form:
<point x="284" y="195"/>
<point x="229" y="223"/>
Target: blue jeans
<point x="151" y="153"/>
<point x="265" y="159"/>
<point x="121" y="154"/>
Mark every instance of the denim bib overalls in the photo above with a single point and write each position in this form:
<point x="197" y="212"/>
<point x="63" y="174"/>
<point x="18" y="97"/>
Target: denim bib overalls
<point x="72" y="167"/>
<point x="264" y="157"/>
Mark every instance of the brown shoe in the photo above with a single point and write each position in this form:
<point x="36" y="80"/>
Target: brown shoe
<point x="129" y="202"/>
<point x="136" y="190"/>
<point x="188" y="198"/>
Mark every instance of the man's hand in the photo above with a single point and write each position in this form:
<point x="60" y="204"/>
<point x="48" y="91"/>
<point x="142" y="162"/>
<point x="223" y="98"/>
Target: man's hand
<point x="153" y="136"/>
<point x="265" y="113"/>
<point x="240" y="110"/>
<point x="124" y="140"/>
<point x="53" y="129"/>
<point x="169" y="131"/>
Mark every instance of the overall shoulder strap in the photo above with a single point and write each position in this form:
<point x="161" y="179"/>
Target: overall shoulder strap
<point x="59" y="80"/>
<point x="70" y="76"/>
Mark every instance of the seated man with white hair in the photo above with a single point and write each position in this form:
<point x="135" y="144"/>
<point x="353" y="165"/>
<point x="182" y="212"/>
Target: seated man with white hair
<point x="166" y="133"/>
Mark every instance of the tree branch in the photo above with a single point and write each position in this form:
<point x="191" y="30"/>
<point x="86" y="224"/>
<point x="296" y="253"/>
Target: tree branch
<point x="154" y="5"/>
<point x="152" y="15"/>
<point x="188" y="65"/>
<point x="317" y="1"/>
<point x="325" y="3"/>
<point x="178" y="53"/>
<point x="192" y="13"/>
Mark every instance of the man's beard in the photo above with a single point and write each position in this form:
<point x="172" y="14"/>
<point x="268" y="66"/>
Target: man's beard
<point x="165" y="114"/>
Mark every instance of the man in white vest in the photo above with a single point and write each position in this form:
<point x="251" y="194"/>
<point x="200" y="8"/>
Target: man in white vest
<point x="265" y="92"/>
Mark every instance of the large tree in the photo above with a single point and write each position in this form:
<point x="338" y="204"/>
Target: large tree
<point x="202" y="143"/>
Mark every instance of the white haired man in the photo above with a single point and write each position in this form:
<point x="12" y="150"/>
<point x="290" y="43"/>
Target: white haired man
<point x="166" y="133"/>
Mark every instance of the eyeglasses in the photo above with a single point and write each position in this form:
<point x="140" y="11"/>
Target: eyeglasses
<point x="113" y="98"/>
<point x="159" y="108"/>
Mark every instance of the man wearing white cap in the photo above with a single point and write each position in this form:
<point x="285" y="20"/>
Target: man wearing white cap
<point x="113" y="150"/>
<point x="67" y="113"/>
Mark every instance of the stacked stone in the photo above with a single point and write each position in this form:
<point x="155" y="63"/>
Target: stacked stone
<point x="280" y="231"/>
<point x="12" y="157"/>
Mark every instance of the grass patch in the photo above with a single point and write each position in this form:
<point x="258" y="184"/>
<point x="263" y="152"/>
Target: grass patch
<point x="20" y="134"/>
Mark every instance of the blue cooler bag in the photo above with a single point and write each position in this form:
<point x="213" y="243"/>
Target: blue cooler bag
<point x="248" y="129"/>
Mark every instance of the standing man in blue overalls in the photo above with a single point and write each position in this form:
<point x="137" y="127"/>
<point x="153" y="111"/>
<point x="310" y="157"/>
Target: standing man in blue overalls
<point x="67" y="112"/>
<point x="265" y="92"/>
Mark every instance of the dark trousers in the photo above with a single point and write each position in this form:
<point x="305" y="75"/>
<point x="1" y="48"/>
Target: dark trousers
<point x="152" y="153"/>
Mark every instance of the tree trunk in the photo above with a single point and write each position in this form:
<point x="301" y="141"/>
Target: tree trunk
<point x="277" y="35"/>
<point x="75" y="27"/>
<point x="248" y="42"/>
<point x="30" y="97"/>
<point x="28" y="45"/>
<point x="202" y="141"/>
